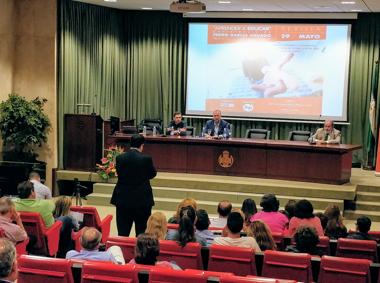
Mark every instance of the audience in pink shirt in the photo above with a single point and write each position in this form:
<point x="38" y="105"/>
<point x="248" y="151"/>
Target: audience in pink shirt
<point x="303" y="216"/>
<point x="276" y="221"/>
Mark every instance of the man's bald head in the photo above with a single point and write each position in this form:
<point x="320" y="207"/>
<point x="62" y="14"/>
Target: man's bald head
<point x="224" y="208"/>
<point x="90" y="238"/>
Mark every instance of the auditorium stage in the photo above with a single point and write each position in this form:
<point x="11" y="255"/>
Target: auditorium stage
<point x="361" y="196"/>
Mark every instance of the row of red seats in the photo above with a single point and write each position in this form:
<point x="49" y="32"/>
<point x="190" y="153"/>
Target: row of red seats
<point x="48" y="238"/>
<point x="192" y="251"/>
<point x="50" y="270"/>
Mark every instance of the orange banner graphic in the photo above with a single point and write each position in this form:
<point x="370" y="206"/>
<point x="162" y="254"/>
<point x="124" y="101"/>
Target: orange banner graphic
<point x="231" y="33"/>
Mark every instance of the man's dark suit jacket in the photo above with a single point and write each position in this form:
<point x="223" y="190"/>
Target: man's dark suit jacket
<point x="210" y="125"/>
<point x="133" y="189"/>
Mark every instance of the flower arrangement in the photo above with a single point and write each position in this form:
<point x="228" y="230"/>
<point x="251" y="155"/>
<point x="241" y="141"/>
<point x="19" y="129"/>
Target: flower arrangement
<point x="107" y="168"/>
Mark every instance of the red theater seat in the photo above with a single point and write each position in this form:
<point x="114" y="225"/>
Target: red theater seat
<point x="284" y="265"/>
<point x="324" y="245"/>
<point x="91" y="219"/>
<point x="251" y="279"/>
<point x="375" y="235"/>
<point x="47" y="238"/>
<point x="240" y="261"/>
<point x="335" y="269"/>
<point x="97" y="271"/>
<point x="357" y="249"/>
<point x="126" y="244"/>
<point x="186" y="257"/>
<point x="175" y="276"/>
<point x="279" y="240"/>
<point x="35" y="269"/>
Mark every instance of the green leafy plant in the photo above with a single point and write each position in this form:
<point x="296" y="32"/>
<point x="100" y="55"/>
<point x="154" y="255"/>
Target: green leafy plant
<point x="23" y="124"/>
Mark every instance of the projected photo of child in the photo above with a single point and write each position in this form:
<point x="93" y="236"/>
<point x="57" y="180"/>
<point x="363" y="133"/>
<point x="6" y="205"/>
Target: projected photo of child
<point x="275" y="80"/>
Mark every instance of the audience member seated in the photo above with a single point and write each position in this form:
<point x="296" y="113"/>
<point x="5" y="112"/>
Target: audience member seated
<point x="201" y="225"/>
<point x="249" y="209"/>
<point x="147" y="250"/>
<point x="14" y="232"/>
<point x="335" y="228"/>
<point x="42" y="191"/>
<point x="157" y="225"/>
<point x="289" y="208"/>
<point x="90" y="242"/>
<point x="224" y="209"/>
<point x="323" y="219"/>
<point x="45" y="208"/>
<point x="261" y="232"/>
<point x="186" y="202"/>
<point x="186" y="230"/>
<point x="62" y="208"/>
<point x="28" y="202"/>
<point x="69" y="223"/>
<point x="363" y="225"/>
<point x="234" y="226"/>
<point x="8" y="261"/>
<point x="304" y="217"/>
<point x="306" y="241"/>
<point x="276" y="221"/>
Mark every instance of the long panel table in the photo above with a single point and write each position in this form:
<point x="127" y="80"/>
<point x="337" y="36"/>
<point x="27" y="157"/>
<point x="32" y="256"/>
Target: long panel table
<point x="277" y="159"/>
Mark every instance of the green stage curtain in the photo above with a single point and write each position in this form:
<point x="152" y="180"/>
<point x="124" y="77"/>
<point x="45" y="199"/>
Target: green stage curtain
<point x="364" y="53"/>
<point x="132" y="64"/>
<point x="91" y="64"/>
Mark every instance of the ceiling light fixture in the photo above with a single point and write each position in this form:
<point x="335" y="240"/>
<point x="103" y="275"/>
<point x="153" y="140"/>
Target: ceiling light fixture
<point x="146" y="8"/>
<point x="110" y="0"/>
<point x="348" y="2"/>
<point x="247" y="9"/>
<point x="356" y="10"/>
<point x="224" y="2"/>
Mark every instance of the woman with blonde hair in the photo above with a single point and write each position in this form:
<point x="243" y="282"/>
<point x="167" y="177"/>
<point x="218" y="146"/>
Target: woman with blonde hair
<point x="62" y="208"/>
<point x="185" y="202"/>
<point x="261" y="232"/>
<point x="335" y="228"/>
<point x="157" y="225"/>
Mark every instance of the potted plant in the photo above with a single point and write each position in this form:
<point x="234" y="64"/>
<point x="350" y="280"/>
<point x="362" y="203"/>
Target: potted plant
<point x="23" y="127"/>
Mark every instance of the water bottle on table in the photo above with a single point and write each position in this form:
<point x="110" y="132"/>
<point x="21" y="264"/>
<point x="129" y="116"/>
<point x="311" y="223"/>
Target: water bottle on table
<point x="154" y="131"/>
<point x="144" y="131"/>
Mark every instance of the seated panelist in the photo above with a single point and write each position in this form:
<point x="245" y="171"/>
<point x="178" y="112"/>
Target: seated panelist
<point x="327" y="134"/>
<point x="216" y="127"/>
<point x="176" y="126"/>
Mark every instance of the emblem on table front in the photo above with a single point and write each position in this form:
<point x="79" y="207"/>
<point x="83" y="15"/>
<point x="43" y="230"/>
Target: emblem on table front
<point x="225" y="160"/>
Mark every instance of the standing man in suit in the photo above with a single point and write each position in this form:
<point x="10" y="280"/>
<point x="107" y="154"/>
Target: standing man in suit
<point x="133" y="195"/>
<point x="327" y="134"/>
<point x="215" y="128"/>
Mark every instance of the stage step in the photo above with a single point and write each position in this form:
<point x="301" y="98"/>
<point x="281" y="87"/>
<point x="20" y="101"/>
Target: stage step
<point x="354" y="214"/>
<point x="168" y="204"/>
<point x="233" y="184"/>
<point x="367" y="206"/>
<point x="368" y="196"/>
<point x="368" y="188"/>
<point x="102" y="190"/>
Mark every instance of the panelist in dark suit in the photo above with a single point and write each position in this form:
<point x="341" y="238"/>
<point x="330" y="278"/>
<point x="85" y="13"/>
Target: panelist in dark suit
<point x="176" y="126"/>
<point x="217" y="126"/>
<point x="133" y="195"/>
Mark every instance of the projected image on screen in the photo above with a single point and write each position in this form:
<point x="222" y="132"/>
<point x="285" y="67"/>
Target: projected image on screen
<point x="291" y="71"/>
